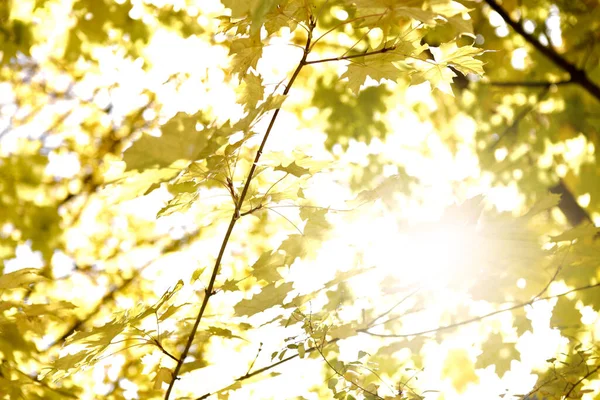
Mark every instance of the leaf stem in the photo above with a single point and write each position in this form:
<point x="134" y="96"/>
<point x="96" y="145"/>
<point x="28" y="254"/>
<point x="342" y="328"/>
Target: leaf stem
<point x="209" y="291"/>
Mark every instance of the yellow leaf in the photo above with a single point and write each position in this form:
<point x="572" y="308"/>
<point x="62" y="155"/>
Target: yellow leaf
<point x="163" y="375"/>
<point x="459" y="369"/>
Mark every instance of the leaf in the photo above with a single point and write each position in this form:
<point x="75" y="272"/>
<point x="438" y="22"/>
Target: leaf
<point x="301" y="351"/>
<point x="547" y="202"/>
<point x="438" y="74"/>
<point x="20" y="278"/>
<point x="222" y="332"/>
<point x="316" y="222"/>
<point x="253" y="91"/>
<point x="259" y="14"/>
<point x="461" y="58"/>
<point x="459" y="369"/>
<point x="230" y="285"/>
<point x="586" y="230"/>
<point x="265" y="268"/>
<point x="497" y="352"/>
<point x="162" y="375"/>
<point x="246" y="53"/>
<point x="269" y="296"/>
<point x="383" y="65"/>
<point x="293" y="169"/>
<point x="179" y="141"/>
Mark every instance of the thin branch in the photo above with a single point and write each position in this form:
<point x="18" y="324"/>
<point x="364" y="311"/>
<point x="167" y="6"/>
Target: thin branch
<point x="287" y="219"/>
<point x="558" y="269"/>
<point x="255" y="358"/>
<point x="370" y="324"/>
<point x="209" y="291"/>
<point x="532" y="84"/>
<point x="265" y="369"/>
<point x="341" y="58"/>
<point x="477" y="319"/>
<point x="344" y="23"/>
<point x="338" y="373"/>
<point x="592" y="372"/>
<point x="577" y="75"/>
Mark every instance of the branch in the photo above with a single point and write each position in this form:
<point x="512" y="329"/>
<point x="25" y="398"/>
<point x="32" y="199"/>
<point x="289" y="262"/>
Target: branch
<point x="578" y="76"/>
<point x="341" y="58"/>
<point x="568" y="205"/>
<point x="370" y="324"/>
<point x="264" y="369"/>
<point x="592" y="372"/>
<point x="477" y="319"/>
<point x="531" y="84"/>
<point x="209" y="291"/>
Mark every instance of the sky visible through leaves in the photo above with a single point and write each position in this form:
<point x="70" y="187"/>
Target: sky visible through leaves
<point x="301" y="199"/>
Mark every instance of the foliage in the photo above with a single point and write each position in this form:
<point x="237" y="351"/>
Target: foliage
<point x="299" y="199"/>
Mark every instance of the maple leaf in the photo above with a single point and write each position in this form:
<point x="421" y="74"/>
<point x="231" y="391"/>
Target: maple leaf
<point x="253" y="91"/>
<point x="179" y="140"/>
<point x="246" y="53"/>
<point x="269" y="296"/>
<point x="461" y="58"/>
<point x="293" y="169"/>
<point x="377" y="66"/>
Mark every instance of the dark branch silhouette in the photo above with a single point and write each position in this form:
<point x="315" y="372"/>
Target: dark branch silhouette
<point x="578" y="76"/>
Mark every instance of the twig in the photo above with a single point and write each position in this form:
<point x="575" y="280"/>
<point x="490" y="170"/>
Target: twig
<point x="558" y="269"/>
<point x="592" y="372"/>
<point x="338" y="373"/>
<point x="344" y="23"/>
<point x="370" y="324"/>
<point x="264" y="369"/>
<point x="209" y="291"/>
<point x="578" y="76"/>
<point x="255" y="358"/>
<point x="532" y="84"/>
<point x="341" y="58"/>
<point x="477" y="319"/>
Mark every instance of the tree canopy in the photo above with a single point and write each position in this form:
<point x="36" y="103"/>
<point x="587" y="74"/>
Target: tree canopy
<point x="301" y="199"/>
